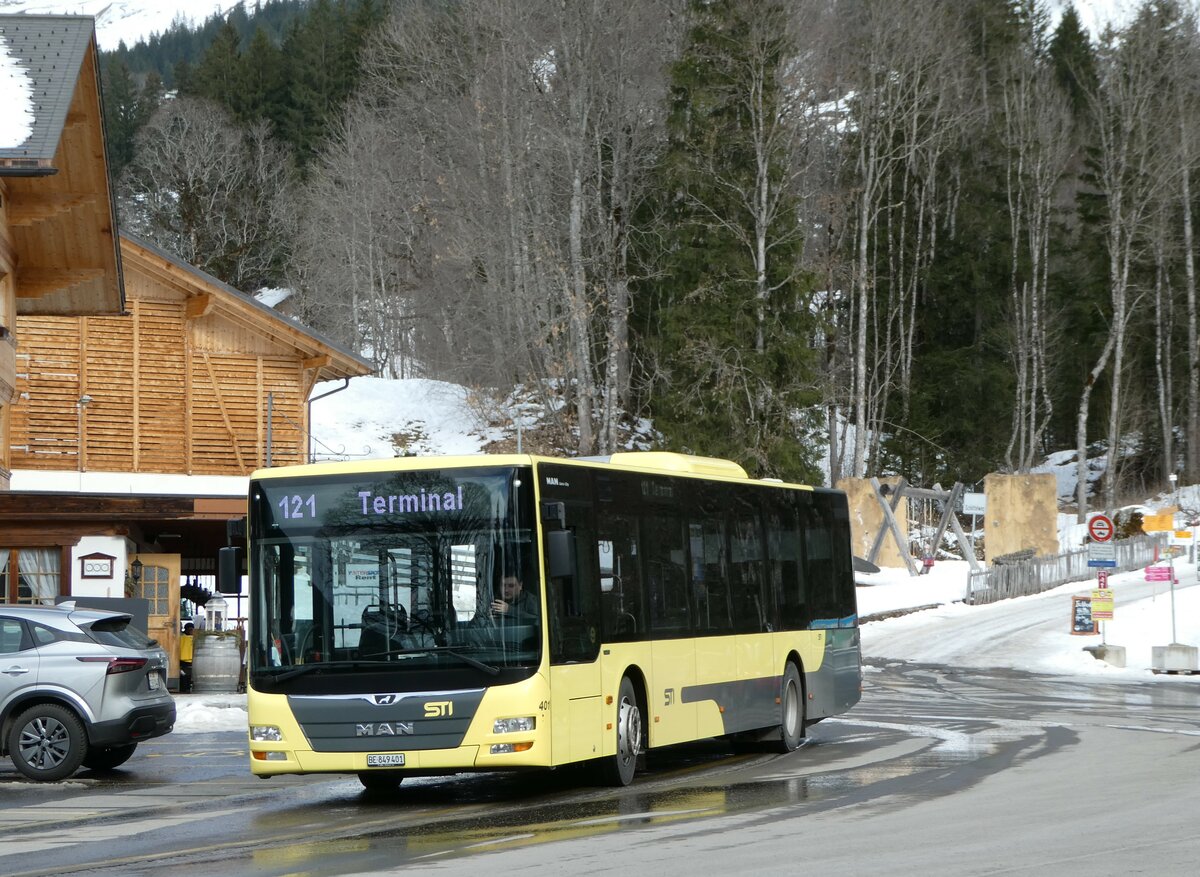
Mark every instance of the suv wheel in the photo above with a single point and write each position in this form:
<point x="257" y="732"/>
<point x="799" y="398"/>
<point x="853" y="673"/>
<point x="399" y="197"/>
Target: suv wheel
<point x="47" y="742"/>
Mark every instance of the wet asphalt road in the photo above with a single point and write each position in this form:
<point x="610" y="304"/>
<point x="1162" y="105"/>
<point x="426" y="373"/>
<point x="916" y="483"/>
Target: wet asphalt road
<point x="937" y="771"/>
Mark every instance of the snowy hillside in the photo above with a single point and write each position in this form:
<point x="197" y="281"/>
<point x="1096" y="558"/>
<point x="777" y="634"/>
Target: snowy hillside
<point x="128" y="20"/>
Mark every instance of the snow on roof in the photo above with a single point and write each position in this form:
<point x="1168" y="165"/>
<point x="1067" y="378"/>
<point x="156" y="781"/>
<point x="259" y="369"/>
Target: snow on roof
<point x="136" y="483"/>
<point x="16" y="100"/>
<point x="272" y="297"/>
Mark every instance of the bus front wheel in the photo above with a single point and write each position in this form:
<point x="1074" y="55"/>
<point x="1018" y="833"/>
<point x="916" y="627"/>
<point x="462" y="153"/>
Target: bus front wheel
<point x="381" y="781"/>
<point x="618" y="769"/>
<point x="792" y="709"/>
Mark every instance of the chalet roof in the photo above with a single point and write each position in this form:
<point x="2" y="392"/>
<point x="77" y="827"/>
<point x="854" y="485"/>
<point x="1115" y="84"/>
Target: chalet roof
<point x="342" y="362"/>
<point x="61" y="220"/>
<point x="50" y="49"/>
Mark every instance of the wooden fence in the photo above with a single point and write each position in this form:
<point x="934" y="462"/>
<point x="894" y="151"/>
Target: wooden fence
<point x="1000" y="581"/>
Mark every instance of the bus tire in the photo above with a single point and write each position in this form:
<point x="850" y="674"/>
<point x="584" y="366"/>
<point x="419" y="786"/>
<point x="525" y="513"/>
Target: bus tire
<point x="380" y="780"/>
<point x="618" y="769"/>
<point x="792" y="709"/>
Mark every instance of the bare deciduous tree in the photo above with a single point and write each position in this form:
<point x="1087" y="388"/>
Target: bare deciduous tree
<point x="209" y="192"/>
<point x="1037" y="139"/>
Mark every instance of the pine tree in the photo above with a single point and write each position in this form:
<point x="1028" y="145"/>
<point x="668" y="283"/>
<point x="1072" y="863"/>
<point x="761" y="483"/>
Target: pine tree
<point x="1073" y="60"/>
<point x="120" y="114"/>
<point x="218" y="76"/>
<point x="729" y="343"/>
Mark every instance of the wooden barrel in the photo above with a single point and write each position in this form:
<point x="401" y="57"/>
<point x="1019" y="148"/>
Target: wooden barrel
<point x="216" y="664"/>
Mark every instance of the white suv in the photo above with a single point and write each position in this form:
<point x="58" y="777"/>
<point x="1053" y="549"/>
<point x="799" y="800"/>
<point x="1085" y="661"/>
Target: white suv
<point x="77" y="687"/>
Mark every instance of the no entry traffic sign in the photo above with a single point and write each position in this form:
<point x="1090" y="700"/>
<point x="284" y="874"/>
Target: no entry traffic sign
<point x="1100" y="528"/>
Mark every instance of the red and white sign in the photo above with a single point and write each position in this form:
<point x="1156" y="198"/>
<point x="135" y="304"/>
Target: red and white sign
<point x="1102" y="578"/>
<point x="1100" y="528"/>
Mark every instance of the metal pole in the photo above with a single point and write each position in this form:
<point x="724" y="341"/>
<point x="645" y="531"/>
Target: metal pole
<point x="270" y="411"/>
<point x="1171" y="568"/>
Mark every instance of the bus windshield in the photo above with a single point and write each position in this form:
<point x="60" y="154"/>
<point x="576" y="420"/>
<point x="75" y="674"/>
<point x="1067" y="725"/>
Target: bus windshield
<point x="393" y="571"/>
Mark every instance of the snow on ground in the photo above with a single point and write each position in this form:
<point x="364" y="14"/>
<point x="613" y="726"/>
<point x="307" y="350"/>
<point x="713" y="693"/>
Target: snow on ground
<point x="1026" y="633"/>
<point x="201" y="713"/>
<point x="364" y="419"/>
<point x="128" y="21"/>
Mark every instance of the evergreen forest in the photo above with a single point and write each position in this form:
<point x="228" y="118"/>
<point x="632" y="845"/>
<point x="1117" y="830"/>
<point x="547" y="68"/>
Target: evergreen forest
<point x="941" y="238"/>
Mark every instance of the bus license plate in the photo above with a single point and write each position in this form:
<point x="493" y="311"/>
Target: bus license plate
<point x="386" y="759"/>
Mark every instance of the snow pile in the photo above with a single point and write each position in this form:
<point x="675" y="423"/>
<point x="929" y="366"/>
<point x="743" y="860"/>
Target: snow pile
<point x="202" y="713"/>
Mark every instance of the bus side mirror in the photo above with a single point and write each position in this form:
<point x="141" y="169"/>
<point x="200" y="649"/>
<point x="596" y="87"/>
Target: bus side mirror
<point x="560" y="554"/>
<point x="229" y="570"/>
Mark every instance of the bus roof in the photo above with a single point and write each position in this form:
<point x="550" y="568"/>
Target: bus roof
<point x="650" y="461"/>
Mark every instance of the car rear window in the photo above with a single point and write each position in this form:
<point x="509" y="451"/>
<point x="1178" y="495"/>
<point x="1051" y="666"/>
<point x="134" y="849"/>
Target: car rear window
<point x="117" y="632"/>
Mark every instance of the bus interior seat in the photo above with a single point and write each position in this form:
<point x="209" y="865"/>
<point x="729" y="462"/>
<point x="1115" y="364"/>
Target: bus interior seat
<point x="380" y="624"/>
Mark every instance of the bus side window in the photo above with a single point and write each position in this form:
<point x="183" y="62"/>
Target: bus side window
<point x="666" y="573"/>
<point x="816" y="525"/>
<point x="783" y="563"/>
<point x="843" y="563"/>
<point x="622" y="600"/>
<point x="573" y="601"/>
<point x="746" y="575"/>
<point x="709" y="575"/>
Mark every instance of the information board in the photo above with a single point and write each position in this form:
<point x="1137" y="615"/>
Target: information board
<point x="1082" y="623"/>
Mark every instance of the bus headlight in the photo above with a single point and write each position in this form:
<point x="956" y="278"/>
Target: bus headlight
<point x="265" y="734"/>
<point x="511" y="726"/>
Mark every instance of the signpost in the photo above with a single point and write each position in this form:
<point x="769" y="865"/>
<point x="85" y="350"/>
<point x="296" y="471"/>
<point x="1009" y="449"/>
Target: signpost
<point x="1101" y="553"/>
<point x="1100" y="528"/>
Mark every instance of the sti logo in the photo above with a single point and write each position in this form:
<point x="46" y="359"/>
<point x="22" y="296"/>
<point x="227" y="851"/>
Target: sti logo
<point x="437" y="709"/>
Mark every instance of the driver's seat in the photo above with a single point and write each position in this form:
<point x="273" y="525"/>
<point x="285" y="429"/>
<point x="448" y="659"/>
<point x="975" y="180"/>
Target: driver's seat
<point x="379" y="625"/>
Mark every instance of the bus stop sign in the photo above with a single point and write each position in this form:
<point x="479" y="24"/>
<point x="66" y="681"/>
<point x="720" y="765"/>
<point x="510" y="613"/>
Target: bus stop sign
<point x="1100" y="528"/>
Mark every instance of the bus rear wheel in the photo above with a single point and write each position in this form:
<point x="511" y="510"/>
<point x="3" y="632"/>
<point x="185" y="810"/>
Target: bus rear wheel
<point x="792" y="710"/>
<point x="618" y="769"/>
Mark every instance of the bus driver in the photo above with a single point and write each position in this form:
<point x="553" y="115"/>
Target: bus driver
<point x="517" y="604"/>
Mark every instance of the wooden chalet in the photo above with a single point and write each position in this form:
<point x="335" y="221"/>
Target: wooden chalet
<point x="132" y="436"/>
<point x="58" y="242"/>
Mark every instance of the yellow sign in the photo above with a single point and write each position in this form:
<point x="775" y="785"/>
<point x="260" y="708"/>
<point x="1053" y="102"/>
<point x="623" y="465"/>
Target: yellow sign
<point x="1183" y="534"/>
<point x="1158" y="523"/>
<point x="1102" y="604"/>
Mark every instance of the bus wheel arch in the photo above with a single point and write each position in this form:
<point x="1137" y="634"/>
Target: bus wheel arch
<point x="793" y="705"/>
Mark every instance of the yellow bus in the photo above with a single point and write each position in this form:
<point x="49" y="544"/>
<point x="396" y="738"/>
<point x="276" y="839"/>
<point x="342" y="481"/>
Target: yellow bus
<point x="432" y="615"/>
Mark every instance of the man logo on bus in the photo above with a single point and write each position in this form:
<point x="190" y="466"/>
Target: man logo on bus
<point x="382" y="729"/>
<point x="384" y="699"/>
<point x="438" y="708"/>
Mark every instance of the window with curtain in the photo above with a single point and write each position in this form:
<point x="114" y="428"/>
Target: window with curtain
<point x="30" y="575"/>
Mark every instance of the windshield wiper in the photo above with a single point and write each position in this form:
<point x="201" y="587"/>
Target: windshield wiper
<point x="478" y="665"/>
<point x="281" y="673"/>
<point x="447" y="650"/>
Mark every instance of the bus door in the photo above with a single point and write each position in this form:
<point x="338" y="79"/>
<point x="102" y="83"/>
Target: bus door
<point x="672" y="677"/>
<point x="573" y="619"/>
